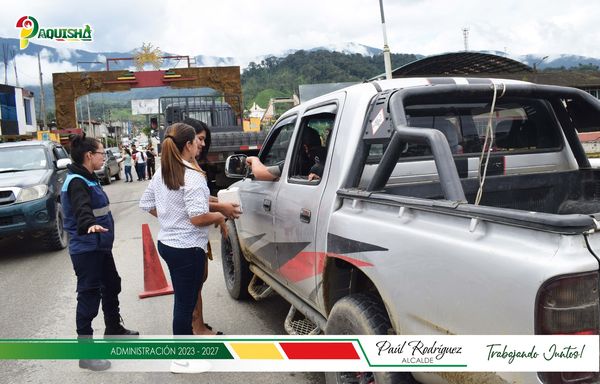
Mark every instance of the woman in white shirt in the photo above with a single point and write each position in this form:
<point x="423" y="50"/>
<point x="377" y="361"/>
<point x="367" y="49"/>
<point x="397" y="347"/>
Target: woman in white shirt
<point x="179" y="197"/>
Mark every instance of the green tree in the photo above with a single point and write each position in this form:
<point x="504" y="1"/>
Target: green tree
<point x="285" y="74"/>
<point x="148" y="132"/>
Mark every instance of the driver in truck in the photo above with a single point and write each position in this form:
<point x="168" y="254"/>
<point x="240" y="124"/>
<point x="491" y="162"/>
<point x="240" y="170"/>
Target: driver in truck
<point x="312" y="157"/>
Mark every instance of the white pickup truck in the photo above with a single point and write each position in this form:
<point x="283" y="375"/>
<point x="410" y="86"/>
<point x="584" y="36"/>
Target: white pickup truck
<point x="445" y="206"/>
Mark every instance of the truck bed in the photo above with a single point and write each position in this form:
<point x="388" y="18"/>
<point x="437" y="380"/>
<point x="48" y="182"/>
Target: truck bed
<point x="562" y="202"/>
<point x="556" y="192"/>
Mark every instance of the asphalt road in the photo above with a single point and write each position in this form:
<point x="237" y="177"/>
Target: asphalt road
<point x="37" y="297"/>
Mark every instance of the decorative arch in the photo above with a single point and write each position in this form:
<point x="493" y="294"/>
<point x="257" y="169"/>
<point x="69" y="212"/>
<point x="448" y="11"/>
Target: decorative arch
<point x="68" y="86"/>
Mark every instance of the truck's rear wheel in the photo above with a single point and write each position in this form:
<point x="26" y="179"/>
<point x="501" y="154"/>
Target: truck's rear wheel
<point x="361" y="314"/>
<point x="235" y="268"/>
<point x="57" y="238"/>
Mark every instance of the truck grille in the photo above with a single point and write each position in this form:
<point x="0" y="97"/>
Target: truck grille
<point x="9" y="220"/>
<point x="7" y="197"/>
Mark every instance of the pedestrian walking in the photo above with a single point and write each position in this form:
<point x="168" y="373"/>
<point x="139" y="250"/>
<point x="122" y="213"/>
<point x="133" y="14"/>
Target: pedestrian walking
<point x="127" y="162"/>
<point x="140" y="164"/>
<point x="90" y="225"/>
<point x="150" y="160"/>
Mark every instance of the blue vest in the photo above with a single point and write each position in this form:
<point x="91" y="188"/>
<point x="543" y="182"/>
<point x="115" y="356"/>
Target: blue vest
<point x="89" y="242"/>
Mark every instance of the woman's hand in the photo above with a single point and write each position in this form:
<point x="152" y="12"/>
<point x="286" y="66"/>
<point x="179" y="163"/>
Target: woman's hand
<point x="96" y="229"/>
<point x="230" y="210"/>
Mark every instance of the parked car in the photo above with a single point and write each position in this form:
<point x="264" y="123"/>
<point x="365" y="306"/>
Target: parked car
<point x="115" y="151"/>
<point x="31" y="177"/>
<point x="444" y="206"/>
<point x="110" y="168"/>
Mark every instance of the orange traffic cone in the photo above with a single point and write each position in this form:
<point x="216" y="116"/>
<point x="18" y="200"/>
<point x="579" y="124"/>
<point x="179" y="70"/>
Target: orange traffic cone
<point x="155" y="283"/>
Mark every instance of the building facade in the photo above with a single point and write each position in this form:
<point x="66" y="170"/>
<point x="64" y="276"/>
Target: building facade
<point x="17" y="111"/>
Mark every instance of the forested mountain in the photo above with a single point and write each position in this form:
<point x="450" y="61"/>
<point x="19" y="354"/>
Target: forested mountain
<point x="280" y="76"/>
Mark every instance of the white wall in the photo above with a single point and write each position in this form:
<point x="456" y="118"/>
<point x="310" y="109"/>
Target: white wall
<point x="24" y="128"/>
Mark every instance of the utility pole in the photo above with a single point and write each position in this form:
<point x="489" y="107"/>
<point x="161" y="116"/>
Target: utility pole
<point x="5" y="60"/>
<point x="42" y="104"/>
<point x="466" y="38"/>
<point x="14" y="56"/>
<point x="87" y="98"/>
<point x="386" y="49"/>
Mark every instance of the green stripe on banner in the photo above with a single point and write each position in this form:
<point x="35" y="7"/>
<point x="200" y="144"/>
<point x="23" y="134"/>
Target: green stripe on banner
<point x="52" y="350"/>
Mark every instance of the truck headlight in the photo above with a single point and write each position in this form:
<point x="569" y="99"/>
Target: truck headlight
<point x="32" y="193"/>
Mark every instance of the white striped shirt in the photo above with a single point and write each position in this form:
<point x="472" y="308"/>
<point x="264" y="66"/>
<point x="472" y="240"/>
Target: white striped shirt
<point x="175" y="208"/>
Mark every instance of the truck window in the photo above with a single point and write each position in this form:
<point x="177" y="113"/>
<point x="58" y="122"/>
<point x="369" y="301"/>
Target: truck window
<point x="60" y="153"/>
<point x="212" y="110"/>
<point x="279" y="141"/>
<point x="311" y="146"/>
<point x="518" y="125"/>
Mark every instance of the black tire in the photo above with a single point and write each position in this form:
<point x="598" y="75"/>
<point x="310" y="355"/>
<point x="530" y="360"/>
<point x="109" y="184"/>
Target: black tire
<point x="235" y="267"/>
<point x="118" y="175"/>
<point x="107" y="178"/>
<point x="57" y="238"/>
<point x="362" y="314"/>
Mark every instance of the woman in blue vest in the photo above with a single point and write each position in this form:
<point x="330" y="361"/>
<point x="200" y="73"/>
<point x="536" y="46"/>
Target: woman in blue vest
<point x="91" y="229"/>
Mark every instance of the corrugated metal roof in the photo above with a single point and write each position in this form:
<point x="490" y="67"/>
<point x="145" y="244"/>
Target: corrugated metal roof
<point x="461" y="63"/>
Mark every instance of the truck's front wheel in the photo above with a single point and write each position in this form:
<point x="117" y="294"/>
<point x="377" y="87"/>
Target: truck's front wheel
<point x="235" y="268"/>
<point x="57" y="238"/>
<point x="361" y="314"/>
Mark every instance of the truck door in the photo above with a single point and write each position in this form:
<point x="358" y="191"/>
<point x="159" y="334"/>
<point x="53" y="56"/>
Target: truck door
<point x="298" y="201"/>
<point x="255" y="225"/>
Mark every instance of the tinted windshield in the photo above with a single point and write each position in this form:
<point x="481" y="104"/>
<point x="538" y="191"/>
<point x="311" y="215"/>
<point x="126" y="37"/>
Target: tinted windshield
<point x="23" y="158"/>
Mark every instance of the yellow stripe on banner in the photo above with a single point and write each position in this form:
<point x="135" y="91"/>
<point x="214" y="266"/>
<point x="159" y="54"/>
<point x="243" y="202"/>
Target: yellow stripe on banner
<point x="265" y="351"/>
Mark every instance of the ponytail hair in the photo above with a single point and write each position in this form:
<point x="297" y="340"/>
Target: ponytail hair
<point x="80" y="144"/>
<point x="172" y="166"/>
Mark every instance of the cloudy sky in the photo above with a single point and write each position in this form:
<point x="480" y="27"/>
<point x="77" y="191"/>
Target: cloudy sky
<point x="245" y="29"/>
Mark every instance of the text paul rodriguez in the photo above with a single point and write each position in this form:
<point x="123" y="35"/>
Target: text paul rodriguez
<point x="419" y="351"/>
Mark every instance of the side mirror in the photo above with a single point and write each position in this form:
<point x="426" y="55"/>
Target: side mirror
<point x="235" y="167"/>
<point x="62" y="163"/>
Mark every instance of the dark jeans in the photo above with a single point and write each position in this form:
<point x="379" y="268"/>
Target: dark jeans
<point x="151" y="168"/>
<point x="97" y="280"/>
<point x="186" y="266"/>
<point x="140" y="169"/>
<point x="128" y="176"/>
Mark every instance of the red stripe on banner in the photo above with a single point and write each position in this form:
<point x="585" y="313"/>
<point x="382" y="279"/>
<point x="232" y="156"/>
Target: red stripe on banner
<point x="314" y="351"/>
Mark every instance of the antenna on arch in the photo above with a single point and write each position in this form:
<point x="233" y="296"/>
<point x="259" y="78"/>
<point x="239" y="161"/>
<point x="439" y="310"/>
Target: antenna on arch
<point x="465" y="32"/>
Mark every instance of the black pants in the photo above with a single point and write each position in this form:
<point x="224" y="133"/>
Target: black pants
<point x="151" y="169"/>
<point x="186" y="266"/>
<point x="97" y="280"/>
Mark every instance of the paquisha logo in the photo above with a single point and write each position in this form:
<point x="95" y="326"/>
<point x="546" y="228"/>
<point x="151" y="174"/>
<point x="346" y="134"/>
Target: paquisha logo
<point x="30" y="29"/>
